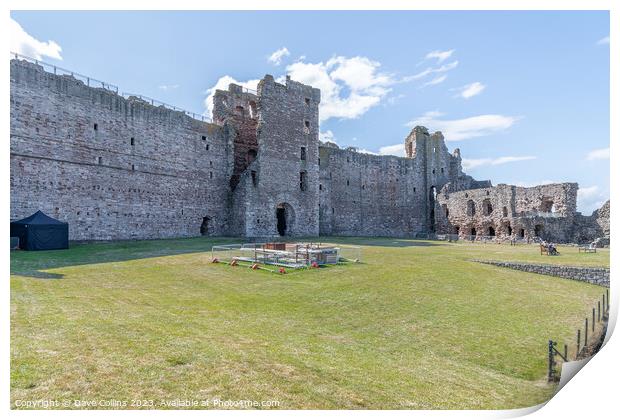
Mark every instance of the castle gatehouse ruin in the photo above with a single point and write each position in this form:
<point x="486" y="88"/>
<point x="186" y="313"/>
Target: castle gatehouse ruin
<point x="120" y="167"/>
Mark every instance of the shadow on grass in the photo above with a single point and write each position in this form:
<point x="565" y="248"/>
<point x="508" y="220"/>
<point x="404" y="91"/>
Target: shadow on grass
<point x="36" y="263"/>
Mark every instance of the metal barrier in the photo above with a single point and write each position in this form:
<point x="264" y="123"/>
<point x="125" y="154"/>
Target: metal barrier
<point x="59" y="71"/>
<point x="91" y="82"/>
<point x="155" y="102"/>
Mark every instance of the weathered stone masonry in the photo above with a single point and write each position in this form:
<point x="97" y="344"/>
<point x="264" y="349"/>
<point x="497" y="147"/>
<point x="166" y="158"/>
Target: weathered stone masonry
<point x="120" y="168"/>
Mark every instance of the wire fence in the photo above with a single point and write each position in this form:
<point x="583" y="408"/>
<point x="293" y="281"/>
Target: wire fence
<point x="589" y="339"/>
<point x="94" y="83"/>
<point x="155" y="102"/>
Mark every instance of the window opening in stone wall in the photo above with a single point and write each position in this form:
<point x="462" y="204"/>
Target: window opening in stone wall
<point x="307" y="127"/>
<point x="505" y="211"/>
<point x="207" y="147"/>
<point x="303" y="180"/>
<point x="303" y="153"/>
<point x="307" y="101"/>
<point x="491" y="231"/>
<point x="254" y="178"/>
<point x="473" y="232"/>
<point x="95" y="126"/>
<point x="320" y="187"/>
<point x="252" y="109"/>
<point x="547" y="206"/>
<point x="487" y="207"/>
<point x="132" y="141"/>
<point x="100" y="160"/>
<point x="133" y="167"/>
<point x="210" y="174"/>
<point x="204" y="137"/>
<point x="471" y="208"/>
<point x="347" y="182"/>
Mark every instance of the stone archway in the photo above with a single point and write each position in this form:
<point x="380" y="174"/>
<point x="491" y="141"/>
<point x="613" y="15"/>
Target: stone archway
<point x="285" y="216"/>
<point x="204" y="226"/>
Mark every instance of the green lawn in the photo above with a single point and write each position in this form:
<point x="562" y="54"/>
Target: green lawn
<point x="416" y="325"/>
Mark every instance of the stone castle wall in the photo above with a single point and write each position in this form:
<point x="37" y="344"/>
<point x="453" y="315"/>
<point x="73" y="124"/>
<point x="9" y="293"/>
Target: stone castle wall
<point x="121" y="168"/>
<point x="114" y="168"/>
<point x="508" y="211"/>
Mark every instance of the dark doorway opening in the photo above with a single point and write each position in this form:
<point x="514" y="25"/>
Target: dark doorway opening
<point x="204" y="227"/>
<point x="473" y="232"/>
<point x="491" y="231"/>
<point x="538" y="230"/>
<point x="281" y="216"/>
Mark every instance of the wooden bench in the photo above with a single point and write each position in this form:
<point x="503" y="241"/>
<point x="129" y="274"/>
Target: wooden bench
<point x="589" y="248"/>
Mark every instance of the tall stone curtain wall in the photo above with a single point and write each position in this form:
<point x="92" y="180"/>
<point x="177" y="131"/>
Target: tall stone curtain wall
<point x="369" y="195"/>
<point x="114" y="168"/>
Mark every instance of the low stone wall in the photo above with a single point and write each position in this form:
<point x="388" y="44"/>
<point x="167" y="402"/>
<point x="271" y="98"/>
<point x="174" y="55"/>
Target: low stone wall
<point x="594" y="275"/>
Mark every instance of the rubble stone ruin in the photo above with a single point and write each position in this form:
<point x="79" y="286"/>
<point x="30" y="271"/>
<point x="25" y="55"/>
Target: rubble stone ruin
<point x="117" y="167"/>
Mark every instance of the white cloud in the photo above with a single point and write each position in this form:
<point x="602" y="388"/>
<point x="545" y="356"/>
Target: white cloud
<point x="23" y="43"/>
<point x="277" y="56"/>
<point x="437" y="80"/>
<point x="470" y="90"/>
<point x="167" y="87"/>
<point x="591" y="198"/>
<point x="603" y="41"/>
<point x="222" y="84"/>
<point x="350" y="86"/>
<point x="473" y="163"/>
<point x="466" y="128"/>
<point x="441" y="56"/>
<point x="432" y="70"/>
<point x="587" y="192"/>
<point x="327" y="135"/>
<point x="395" y="150"/>
<point x="597" y="154"/>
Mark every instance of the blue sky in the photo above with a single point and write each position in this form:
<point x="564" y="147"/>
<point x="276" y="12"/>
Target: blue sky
<point x="524" y="95"/>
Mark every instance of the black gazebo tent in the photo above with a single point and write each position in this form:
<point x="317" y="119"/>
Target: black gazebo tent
<point x="39" y="232"/>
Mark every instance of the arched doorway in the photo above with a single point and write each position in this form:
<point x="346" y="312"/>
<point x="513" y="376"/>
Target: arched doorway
<point x="284" y="218"/>
<point x="204" y="227"/>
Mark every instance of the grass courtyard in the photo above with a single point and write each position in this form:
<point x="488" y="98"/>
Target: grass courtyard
<point x="417" y="325"/>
